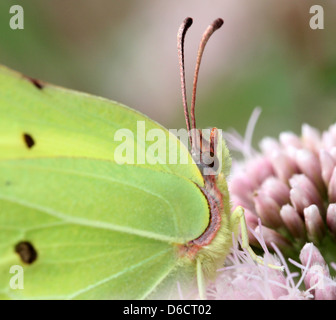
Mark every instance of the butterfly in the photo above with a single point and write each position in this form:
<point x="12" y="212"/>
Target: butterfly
<point x="75" y="223"/>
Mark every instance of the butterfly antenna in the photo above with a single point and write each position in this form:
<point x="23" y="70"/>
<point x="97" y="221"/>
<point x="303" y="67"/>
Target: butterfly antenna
<point x="180" y="51"/>
<point x="206" y="35"/>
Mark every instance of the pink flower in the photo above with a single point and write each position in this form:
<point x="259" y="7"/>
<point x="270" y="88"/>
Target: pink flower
<point x="290" y="185"/>
<point x="243" y="279"/>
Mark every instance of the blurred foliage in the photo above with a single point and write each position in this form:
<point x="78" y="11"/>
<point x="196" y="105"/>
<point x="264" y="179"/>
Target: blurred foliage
<point x="117" y="49"/>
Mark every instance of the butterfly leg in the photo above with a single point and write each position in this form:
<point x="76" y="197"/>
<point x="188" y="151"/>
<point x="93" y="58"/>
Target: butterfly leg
<point x="200" y="280"/>
<point x="238" y="218"/>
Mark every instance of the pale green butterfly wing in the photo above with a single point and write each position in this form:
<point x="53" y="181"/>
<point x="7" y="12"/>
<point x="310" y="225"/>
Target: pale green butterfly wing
<point x="120" y="248"/>
<point x="68" y="123"/>
<point x="101" y="230"/>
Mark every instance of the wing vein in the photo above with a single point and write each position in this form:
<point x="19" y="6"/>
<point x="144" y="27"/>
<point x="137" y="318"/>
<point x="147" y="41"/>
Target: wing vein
<point x="86" y="222"/>
<point x="118" y="274"/>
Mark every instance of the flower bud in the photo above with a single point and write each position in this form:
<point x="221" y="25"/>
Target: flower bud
<point x="293" y="221"/>
<point x="317" y="278"/>
<point x="327" y="140"/>
<point x="311" y="138"/>
<point x="314" y="223"/>
<point x="259" y="169"/>
<point x="299" y="200"/>
<point x="268" y="145"/>
<point x="333" y="152"/>
<point x="332" y="130"/>
<point x="309" y="164"/>
<point x="332" y="187"/>
<point x="306" y="193"/>
<point x="242" y="187"/>
<point x="268" y="210"/>
<point x="331" y="218"/>
<point x="309" y="250"/>
<point x="284" y="166"/>
<point x="276" y="189"/>
<point x="290" y="139"/>
<point x="327" y="166"/>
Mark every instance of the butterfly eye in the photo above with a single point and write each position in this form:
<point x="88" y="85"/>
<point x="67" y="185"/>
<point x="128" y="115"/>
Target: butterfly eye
<point x="209" y="163"/>
<point x="208" y="159"/>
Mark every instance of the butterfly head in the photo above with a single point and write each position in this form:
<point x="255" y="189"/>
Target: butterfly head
<point x="204" y="144"/>
<point x="208" y="150"/>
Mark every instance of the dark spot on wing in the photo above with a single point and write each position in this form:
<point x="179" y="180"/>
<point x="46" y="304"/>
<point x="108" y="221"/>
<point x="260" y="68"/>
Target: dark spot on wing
<point x="29" y="140"/>
<point x="26" y="251"/>
<point x="37" y="83"/>
<point x="8" y="183"/>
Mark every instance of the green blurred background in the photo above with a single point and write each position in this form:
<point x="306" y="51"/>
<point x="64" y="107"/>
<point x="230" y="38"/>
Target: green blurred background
<point x="265" y="55"/>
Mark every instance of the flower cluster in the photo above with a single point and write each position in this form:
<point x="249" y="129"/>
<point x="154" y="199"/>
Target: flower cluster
<point x="243" y="279"/>
<point x="291" y="187"/>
